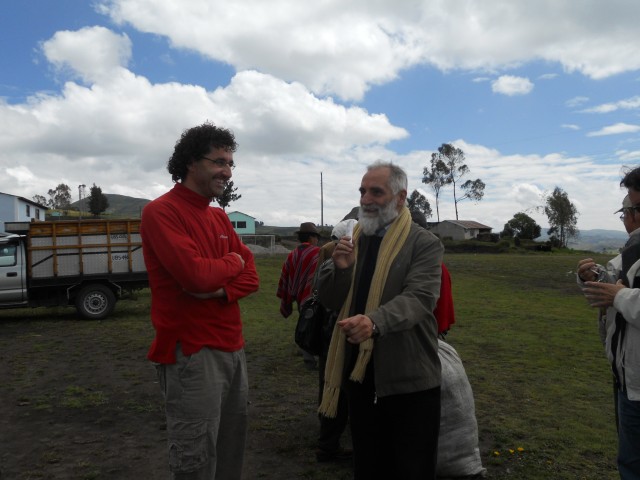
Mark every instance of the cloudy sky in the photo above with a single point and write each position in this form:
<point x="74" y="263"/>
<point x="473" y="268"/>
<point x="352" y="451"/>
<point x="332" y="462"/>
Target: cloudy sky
<point x="537" y="95"/>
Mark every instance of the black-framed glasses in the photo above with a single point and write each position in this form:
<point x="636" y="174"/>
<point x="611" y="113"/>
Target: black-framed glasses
<point x="220" y="163"/>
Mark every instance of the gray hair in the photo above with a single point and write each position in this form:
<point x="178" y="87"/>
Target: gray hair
<point x="397" y="176"/>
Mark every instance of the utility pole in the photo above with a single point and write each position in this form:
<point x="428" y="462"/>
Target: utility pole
<point x="321" y="203"/>
<point x="80" y="195"/>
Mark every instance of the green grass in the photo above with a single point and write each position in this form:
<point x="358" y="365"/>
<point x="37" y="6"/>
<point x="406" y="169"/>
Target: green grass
<point x="531" y="350"/>
<point x="527" y="338"/>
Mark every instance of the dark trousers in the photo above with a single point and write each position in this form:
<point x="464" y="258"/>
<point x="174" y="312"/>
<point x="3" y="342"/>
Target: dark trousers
<point x="331" y="429"/>
<point x="394" y="436"/>
<point x="628" y="437"/>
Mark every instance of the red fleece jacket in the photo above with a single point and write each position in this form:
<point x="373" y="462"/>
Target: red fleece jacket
<point x="187" y="249"/>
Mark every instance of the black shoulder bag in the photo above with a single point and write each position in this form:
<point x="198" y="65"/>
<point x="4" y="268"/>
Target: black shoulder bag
<point x="308" y="335"/>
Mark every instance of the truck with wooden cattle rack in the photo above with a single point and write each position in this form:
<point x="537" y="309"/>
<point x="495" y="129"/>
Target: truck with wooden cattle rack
<point x="86" y="263"/>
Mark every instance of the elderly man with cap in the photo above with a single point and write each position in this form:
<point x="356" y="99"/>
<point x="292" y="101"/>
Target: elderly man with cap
<point x="297" y="276"/>
<point x="615" y="290"/>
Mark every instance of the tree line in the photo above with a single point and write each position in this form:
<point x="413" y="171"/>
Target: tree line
<point x="447" y="168"/>
<point x="60" y="199"/>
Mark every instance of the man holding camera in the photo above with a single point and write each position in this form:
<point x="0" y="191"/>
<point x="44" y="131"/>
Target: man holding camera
<point x="615" y="290"/>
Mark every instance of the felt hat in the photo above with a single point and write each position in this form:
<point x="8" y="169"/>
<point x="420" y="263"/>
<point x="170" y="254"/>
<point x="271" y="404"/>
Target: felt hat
<point x="308" y="227"/>
<point x="626" y="203"/>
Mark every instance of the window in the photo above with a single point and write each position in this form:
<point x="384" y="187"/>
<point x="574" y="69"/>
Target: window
<point x="28" y="210"/>
<point x="242" y="224"/>
<point x="37" y="213"/>
<point x="233" y="224"/>
<point x="7" y="256"/>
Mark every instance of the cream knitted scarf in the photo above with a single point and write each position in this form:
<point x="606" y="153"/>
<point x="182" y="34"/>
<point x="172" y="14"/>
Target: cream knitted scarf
<point x="391" y="245"/>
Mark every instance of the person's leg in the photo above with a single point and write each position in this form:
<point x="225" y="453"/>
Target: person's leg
<point x="232" y="432"/>
<point x="410" y="426"/>
<point x="188" y="404"/>
<point x="331" y="429"/>
<point x="364" y="428"/>
<point x="309" y="360"/>
<point x="628" y="437"/>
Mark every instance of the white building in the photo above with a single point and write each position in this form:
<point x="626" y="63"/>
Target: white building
<point x="19" y="209"/>
<point x="458" y="229"/>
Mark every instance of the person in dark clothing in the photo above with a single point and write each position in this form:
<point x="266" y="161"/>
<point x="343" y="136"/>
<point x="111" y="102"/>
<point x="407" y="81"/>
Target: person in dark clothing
<point x="332" y="429"/>
<point x="297" y="275"/>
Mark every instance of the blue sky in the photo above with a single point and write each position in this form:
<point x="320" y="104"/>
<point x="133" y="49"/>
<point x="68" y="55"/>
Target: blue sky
<point x="537" y="95"/>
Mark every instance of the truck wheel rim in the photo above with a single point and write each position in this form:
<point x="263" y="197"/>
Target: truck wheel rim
<point x="95" y="303"/>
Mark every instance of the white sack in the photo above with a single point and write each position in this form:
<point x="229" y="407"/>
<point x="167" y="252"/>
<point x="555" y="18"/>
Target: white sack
<point x="458" y="452"/>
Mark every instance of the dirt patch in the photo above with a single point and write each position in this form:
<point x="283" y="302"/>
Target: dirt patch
<point x="80" y="401"/>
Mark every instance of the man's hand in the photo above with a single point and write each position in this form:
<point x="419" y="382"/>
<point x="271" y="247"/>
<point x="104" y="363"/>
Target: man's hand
<point x="239" y="256"/>
<point x="585" y="270"/>
<point x="601" y="294"/>
<point x="343" y="255"/>
<point x="357" y="328"/>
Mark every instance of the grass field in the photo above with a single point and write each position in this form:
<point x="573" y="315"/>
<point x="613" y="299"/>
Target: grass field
<point x="526" y="336"/>
<point x="531" y="350"/>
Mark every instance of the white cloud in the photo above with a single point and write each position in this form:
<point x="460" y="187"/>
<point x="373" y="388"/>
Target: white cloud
<point x="511" y="188"/>
<point x="616" y="129"/>
<point x="511" y="85"/>
<point x="92" y="53"/>
<point x="333" y="48"/>
<point x="629" y="156"/>
<point x="119" y="131"/>
<point x="632" y="103"/>
<point x="570" y="126"/>
<point x="576" y="102"/>
<point x="548" y="76"/>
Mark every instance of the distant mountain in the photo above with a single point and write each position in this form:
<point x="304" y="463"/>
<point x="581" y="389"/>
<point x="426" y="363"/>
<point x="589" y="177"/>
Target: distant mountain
<point x="119" y="205"/>
<point x="598" y="240"/>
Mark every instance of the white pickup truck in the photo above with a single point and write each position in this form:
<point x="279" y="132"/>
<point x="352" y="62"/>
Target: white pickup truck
<point x="86" y="263"/>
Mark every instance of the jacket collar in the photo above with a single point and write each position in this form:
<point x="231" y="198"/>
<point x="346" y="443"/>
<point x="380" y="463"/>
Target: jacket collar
<point x="191" y="197"/>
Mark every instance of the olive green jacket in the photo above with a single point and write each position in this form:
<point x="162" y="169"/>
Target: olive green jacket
<point x="405" y="353"/>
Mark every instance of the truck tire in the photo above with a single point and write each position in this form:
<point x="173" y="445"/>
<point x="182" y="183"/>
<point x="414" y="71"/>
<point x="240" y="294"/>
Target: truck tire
<point x="95" y="302"/>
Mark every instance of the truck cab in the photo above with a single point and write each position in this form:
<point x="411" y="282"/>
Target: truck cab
<point x="13" y="277"/>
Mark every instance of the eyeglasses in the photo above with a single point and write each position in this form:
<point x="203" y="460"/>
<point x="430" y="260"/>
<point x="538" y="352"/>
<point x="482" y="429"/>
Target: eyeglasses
<point x="629" y="210"/>
<point x="220" y="163"/>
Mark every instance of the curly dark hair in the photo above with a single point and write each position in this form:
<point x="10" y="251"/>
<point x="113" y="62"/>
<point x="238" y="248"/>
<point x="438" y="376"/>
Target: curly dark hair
<point x="631" y="179"/>
<point x="195" y="143"/>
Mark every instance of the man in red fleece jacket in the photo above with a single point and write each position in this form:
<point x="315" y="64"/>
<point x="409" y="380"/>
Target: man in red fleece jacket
<point x="198" y="270"/>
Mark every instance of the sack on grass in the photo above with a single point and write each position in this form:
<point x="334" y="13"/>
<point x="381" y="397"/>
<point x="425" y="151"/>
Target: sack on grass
<point x="458" y="451"/>
<point x="308" y="335"/>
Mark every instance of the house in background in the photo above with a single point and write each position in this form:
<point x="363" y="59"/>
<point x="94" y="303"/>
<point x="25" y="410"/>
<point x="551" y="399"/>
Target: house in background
<point x="19" y="209"/>
<point x="242" y="223"/>
<point x="458" y="229"/>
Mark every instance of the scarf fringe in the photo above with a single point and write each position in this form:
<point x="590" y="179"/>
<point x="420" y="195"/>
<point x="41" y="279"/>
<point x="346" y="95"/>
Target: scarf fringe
<point x="329" y="405"/>
<point x="364" y="355"/>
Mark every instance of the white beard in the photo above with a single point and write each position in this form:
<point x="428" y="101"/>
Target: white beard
<point x="373" y="217"/>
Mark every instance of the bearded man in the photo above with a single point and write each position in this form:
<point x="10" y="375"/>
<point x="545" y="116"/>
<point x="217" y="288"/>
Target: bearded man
<point x="385" y="282"/>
